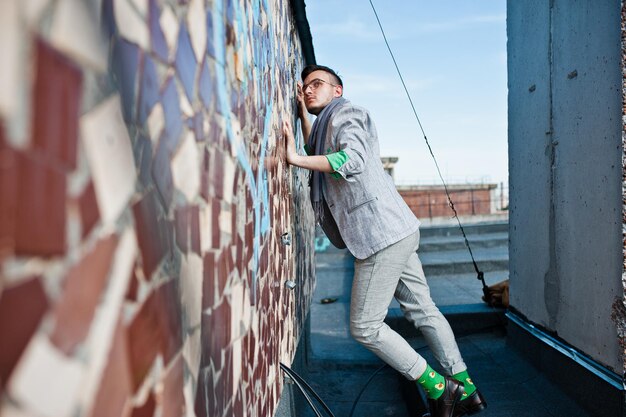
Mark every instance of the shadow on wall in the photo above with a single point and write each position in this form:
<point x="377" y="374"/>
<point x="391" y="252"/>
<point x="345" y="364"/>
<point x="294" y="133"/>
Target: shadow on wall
<point x="143" y="195"/>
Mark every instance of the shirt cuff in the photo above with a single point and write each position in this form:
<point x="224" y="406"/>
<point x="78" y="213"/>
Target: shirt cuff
<point x="336" y="160"/>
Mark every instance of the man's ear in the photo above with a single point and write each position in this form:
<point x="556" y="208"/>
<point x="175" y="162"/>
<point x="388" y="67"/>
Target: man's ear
<point x="338" y="91"/>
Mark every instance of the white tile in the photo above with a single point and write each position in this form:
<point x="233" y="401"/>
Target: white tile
<point x="186" y="168"/>
<point x="10" y="410"/>
<point x="196" y="23"/>
<point x="237" y="363"/>
<point x="108" y="149"/>
<point x="32" y="10"/>
<point x="156" y="123"/>
<point x="192" y="351"/>
<point x="15" y="41"/>
<point x="131" y="25"/>
<point x="169" y="25"/>
<point x="190" y="398"/>
<point x="191" y="276"/>
<point x="75" y="32"/>
<point x="225" y="221"/>
<point x="206" y="228"/>
<point x="185" y="105"/>
<point x="141" y="6"/>
<point x="46" y="381"/>
<point x="229" y="178"/>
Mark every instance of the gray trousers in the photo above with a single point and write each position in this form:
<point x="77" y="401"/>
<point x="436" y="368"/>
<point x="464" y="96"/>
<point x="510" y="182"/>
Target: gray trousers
<point x="397" y="271"/>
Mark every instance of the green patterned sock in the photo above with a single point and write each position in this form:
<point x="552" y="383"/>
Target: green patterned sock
<point x="465" y="379"/>
<point x="432" y="382"/>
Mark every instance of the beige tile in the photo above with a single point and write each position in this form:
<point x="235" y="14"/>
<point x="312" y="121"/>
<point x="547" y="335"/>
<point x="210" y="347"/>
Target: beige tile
<point x="191" y="276"/>
<point x="107" y="146"/>
<point x="196" y="22"/>
<point x="186" y="168"/>
<point x="131" y="25"/>
<point x="36" y="385"/>
<point x="75" y="32"/>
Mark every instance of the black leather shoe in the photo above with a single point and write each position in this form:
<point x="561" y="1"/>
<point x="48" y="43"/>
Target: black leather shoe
<point x="471" y="405"/>
<point x="444" y="406"/>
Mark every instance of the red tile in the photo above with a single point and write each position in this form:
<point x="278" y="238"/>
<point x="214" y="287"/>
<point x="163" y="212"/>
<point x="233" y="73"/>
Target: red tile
<point x="41" y="208"/>
<point x="215" y="226"/>
<point x="56" y="105"/>
<point x="205" y="394"/>
<point x="216" y="333"/>
<point x="89" y="213"/>
<point x="21" y="308"/>
<point x="208" y="281"/>
<point x="151" y="234"/>
<point x="172" y="399"/>
<point x="133" y="286"/>
<point x="194" y="232"/>
<point x="205" y="176"/>
<point x="223" y="272"/>
<point x="114" y="393"/>
<point x="155" y="328"/>
<point x="147" y="409"/>
<point x="8" y="196"/>
<point x="181" y="227"/>
<point x="162" y="174"/>
<point x="217" y="174"/>
<point x="187" y="225"/>
<point x="82" y="291"/>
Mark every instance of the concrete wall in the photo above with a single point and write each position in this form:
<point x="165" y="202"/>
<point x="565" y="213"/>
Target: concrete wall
<point x="144" y="195"/>
<point x="565" y="169"/>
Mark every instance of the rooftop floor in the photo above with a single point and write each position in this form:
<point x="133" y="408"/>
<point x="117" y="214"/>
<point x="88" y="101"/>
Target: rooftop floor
<point x="338" y="367"/>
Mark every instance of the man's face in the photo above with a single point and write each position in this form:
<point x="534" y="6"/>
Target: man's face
<point x="319" y="90"/>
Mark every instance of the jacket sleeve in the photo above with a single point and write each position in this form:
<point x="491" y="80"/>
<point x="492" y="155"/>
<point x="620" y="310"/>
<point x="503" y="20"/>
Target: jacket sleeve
<point x="351" y="132"/>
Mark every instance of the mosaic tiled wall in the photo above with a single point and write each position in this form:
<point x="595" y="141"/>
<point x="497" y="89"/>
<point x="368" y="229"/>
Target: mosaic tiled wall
<point x="146" y="208"/>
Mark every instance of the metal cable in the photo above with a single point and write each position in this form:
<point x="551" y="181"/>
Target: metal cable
<point x="481" y="275"/>
<point x="299" y="381"/>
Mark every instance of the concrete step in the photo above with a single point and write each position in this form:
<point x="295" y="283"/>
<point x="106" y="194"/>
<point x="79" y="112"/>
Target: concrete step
<point x="463" y="318"/>
<point x="460" y="262"/>
<point x="455" y="242"/>
<point x="470" y="229"/>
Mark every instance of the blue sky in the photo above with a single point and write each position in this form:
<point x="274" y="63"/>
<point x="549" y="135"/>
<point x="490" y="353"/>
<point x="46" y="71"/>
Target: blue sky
<point x="452" y="54"/>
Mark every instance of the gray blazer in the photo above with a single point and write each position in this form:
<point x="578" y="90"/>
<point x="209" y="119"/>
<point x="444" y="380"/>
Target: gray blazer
<point x="368" y="212"/>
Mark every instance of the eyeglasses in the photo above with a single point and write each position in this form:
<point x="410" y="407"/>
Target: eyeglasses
<point x="315" y="84"/>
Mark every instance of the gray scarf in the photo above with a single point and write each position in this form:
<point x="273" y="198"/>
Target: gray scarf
<point x="316" y="143"/>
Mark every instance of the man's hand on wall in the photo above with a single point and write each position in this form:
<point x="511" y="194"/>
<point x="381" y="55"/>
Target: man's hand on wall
<point x="292" y="153"/>
<point x="302" y="112"/>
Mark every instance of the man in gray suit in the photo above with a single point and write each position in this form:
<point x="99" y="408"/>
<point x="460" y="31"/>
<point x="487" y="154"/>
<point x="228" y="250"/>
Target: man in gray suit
<point x="358" y="207"/>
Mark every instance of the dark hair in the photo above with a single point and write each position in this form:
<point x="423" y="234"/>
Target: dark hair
<point x="310" y="68"/>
